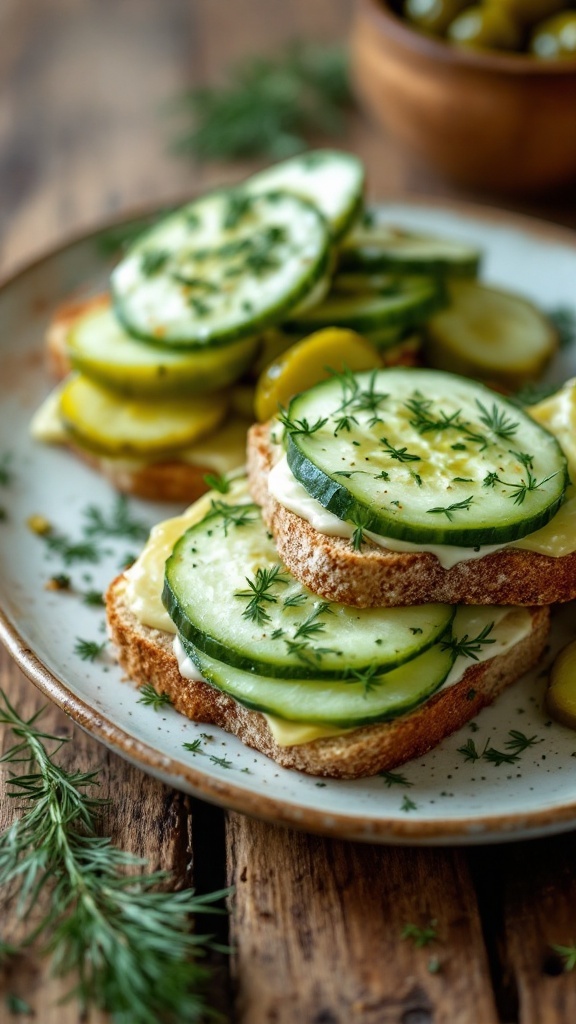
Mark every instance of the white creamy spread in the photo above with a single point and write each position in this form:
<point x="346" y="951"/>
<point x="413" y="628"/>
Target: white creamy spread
<point x="289" y="493"/>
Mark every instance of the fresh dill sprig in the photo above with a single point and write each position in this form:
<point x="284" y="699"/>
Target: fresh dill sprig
<point x="400" y="454"/>
<point x="222" y="762"/>
<point x="119" y="522"/>
<point x="564" y="320"/>
<point x="93" y="598"/>
<point x="469" y="647"/>
<point x="270" y="106"/>
<point x="310" y="627"/>
<point x="424" y="422"/>
<point x="516" y="744"/>
<point x="195" y="747"/>
<point x="71" y="551"/>
<point x="6" y="476"/>
<point x="150" y="697"/>
<point x="232" y="515"/>
<point x="394" y="779"/>
<point x="568" y="954"/>
<point x="408" y="805"/>
<point x="302" y="426"/>
<point x="259" y="591"/>
<point x="497" y="421"/>
<point x="295" y="600"/>
<point x="88" y="650"/>
<point x="217" y="482"/>
<point x="127" y="940"/>
<point x="421" y="936"/>
<point x="449" y="510"/>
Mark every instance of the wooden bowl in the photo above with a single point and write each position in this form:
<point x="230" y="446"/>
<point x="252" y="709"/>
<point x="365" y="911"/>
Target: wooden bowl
<point x="499" y="121"/>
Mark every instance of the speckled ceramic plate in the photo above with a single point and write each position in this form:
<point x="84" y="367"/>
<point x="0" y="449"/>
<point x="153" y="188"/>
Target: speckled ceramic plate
<point x="443" y="797"/>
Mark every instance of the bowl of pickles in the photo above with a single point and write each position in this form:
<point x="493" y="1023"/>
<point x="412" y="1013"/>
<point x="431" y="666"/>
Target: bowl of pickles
<point x="483" y="92"/>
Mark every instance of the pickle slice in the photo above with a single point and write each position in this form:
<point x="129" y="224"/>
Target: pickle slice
<point x="100" y="347"/>
<point x="490" y="334"/>
<point x="101" y="421"/>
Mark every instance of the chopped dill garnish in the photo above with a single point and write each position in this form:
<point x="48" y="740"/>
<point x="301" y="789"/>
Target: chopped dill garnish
<point x="260" y="591"/>
<point x="93" y="598"/>
<point x="400" y="454"/>
<point x="421" y="937"/>
<point x="497" y="421"/>
<point x="88" y="650"/>
<point x="467" y="647"/>
<point x="6" y="475"/>
<point x="118" y="523"/>
<point x="217" y="483"/>
<point x="450" y="509"/>
<point x="153" y="260"/>
<point x="150" y="697"/>
<point x="564" y="320"/>
<point x="394" y="779"/>
<point x="302" y="426"/>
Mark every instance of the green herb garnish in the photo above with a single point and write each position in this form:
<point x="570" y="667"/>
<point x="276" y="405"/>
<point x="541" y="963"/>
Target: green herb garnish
<point x="88" y="650"/>
<point x="151" y="698"/>
<point x="467" y="647"/>
<point x="497" y="421"/>
<point x="450" y="509"/>
<point x="421" y="937"/>
<point x="400" y="454"/>
<point x="127" y="941"/>
<point x="269" y="106"/>
<point x="119" y="522"/>
<point x="260" y="591"/>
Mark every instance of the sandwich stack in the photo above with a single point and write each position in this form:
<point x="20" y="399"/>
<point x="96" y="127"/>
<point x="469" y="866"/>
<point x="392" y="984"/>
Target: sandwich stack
<point x="384" y="573"/>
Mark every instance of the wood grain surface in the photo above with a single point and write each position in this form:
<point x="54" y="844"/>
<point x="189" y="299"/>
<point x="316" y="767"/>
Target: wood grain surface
<point x="316" y="926"/>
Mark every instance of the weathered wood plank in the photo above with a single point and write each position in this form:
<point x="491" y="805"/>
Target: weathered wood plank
<point x="538" y="883"/>
<point x="317" y="932"/>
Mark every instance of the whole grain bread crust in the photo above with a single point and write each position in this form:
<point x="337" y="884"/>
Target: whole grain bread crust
<point x="146" y="656"/>
<point x="161" y="480"/>
<point x="377" y="577"/>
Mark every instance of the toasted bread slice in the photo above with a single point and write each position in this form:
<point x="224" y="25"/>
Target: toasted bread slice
<point x="378" y="577"/>
<point x="147" y="657"/>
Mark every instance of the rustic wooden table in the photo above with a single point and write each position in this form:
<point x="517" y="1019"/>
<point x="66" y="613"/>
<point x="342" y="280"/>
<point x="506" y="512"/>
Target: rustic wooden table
<point x="315" y="924"/>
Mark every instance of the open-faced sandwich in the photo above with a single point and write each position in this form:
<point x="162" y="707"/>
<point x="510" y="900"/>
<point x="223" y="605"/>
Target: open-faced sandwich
<point x="336" y="678"/>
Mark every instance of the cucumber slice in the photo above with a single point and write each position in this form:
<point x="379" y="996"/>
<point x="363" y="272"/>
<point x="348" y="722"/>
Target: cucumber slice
<point x="332" y="180"/>
<point x="99" y="346"/>
<point x="348" y="703"/>
<point x="229" y="596"/>
<point x="104" y="422"/>
<point x="424" y="456"/>
<point x="221" y="268"/>
<point x="374" y="245"/>
<point x="491" y="334"/>
<point x="412" y="301"/>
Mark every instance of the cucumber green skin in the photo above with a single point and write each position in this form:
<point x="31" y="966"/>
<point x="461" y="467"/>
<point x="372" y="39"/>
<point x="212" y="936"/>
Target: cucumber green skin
<point x="340" y="500"/>
<point x="214" y="648"/>
<point x="255" y="324"/>
<point x="415" y="308"/>
<point x="367" y="259"/>
<point x="341" y="225"/>
<point x="204" y="542"/>
<point x="318" y="702"/>
<point x="190" y="383"/>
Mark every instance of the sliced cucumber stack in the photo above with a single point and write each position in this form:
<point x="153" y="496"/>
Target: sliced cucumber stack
<point x="378" y="246"/>
<point x="222" y="268"/>
<point x="99" y="346"/>
<point x="229" y="596"/>
<point x="408" y="302"/>
<point x="424" y="456"/>
<point x="332" y="180"/>
<point x="347" y="703"/>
